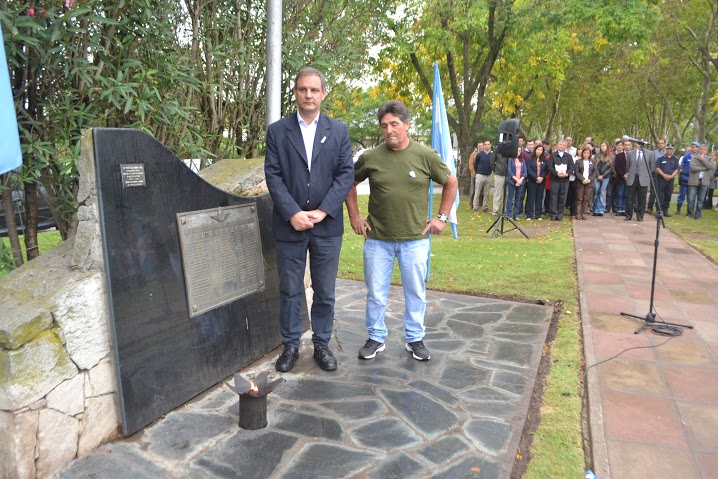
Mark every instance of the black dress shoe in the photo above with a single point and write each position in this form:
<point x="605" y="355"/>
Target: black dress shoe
<point x="667" y="214"/>
<point x="287" y="359"/>
<point x="324" y="358"/>
<point x="628" y="218"/>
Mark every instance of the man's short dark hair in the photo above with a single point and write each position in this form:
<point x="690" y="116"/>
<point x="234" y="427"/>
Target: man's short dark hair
<point x="310" y="71"/>
<point x="395" y="107"/>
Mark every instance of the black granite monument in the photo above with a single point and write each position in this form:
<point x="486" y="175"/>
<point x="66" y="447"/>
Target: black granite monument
<point x="191" y="275"/>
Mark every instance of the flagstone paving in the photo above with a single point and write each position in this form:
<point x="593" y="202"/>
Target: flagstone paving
<point x="459" y="415"/>
<point x="653" y="412"/>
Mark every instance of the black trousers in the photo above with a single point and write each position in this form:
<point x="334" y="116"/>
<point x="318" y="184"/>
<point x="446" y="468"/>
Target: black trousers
<point x="571" y="197"/>
<point x="665" y="190"/>
<point x="636" y="199"/>
<point x="610" y="191"/>
<point x="323" y="267"/>
<point x="652" y="194"/>
<point x="559" y="190"/>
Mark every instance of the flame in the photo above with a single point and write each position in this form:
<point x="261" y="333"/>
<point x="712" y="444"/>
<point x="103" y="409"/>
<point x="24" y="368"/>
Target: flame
<point x="253" y="388"/>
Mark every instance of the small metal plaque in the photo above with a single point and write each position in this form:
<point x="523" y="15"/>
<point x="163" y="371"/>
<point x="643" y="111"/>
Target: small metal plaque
<point x="133" y="175"/>
<point x="221" y="256"/>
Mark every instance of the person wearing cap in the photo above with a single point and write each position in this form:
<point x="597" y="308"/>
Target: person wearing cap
<point x="666" y="170"/>
<point x="684" y="165"/>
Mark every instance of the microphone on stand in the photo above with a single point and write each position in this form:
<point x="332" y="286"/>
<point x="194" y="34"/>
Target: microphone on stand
<point x="635" y="140"/>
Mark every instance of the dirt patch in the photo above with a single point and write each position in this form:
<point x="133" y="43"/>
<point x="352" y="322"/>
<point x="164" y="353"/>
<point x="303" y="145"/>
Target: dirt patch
<point x="533" y="418"/>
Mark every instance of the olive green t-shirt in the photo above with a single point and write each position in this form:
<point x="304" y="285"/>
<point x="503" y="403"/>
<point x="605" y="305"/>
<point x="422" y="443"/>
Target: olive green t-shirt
<point x="399" y="188"/>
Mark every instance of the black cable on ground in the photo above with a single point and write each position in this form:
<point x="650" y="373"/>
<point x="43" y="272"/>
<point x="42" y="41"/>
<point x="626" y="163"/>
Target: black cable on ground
<point x="657" y="329"/>
<point x="666" y="330"/>
<point x="625" y="350"/>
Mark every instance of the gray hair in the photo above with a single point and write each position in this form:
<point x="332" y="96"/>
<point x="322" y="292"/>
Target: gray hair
<point x="306" y="71"/>
<point x="395" y="107"/>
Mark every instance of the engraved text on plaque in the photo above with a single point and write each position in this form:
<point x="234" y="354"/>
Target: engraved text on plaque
<point x="221" y="255"/>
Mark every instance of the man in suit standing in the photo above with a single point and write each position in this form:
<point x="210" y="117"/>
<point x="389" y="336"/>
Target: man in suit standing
<point x="639" y="163"/>
<point x="309" y="170"/>
<point x="561" y="166"/>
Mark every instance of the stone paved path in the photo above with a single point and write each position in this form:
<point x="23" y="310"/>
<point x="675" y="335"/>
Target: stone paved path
<point x="459" y="415"/>
<point x="653" y="411"/>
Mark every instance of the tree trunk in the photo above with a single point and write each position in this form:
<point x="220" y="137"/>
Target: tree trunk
<point x="10" y="222"/>
<point x="31" y="225"/>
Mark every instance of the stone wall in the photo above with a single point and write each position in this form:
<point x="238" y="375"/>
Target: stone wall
<point x="58" y="395"/>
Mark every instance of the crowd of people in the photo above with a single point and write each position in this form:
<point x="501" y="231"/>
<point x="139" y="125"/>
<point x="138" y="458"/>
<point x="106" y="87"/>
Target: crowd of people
<point x="626" y="178"/>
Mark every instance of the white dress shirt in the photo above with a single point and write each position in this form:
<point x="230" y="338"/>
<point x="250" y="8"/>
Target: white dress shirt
<point x="308" y="133"/>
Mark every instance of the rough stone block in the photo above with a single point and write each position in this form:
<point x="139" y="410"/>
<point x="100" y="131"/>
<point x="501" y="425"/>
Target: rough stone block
<point x="102" y="379"/>
<point x="69" y="397"/>
<point x="81" y="312"/>
<point x="29" y="373"/>
<point x="87" y="247"/>
<point x="86" y="167"/>
<point x="88" y="211"/>
<point x="99" y="423"/>
<point x="17" y="444"/>
<point x="238" y="176"/>
<point x="21" y="323"/>
<point x="56" y="441"/>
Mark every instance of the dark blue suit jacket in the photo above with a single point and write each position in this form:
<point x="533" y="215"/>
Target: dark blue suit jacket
<point x="531" y="172"/>
<point x="293" y="187"/>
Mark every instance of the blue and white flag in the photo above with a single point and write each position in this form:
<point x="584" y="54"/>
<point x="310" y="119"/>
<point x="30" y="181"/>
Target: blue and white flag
<point x="441" y="141"/>
<point x="10" y="154"/>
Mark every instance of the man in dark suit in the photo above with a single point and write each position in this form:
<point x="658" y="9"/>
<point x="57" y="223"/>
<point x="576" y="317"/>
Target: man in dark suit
<point x="560" y="165"/>
<point x="309" y="170"/>
<point x="639" y="163"/>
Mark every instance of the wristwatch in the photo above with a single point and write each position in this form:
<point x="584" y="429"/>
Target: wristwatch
<point x="442" y="217"/>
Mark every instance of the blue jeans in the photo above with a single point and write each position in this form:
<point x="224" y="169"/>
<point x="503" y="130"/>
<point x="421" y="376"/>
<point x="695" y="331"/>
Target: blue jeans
<point x="619" y="200"/>
<point x="599" y="196"/>
<point x="323" y="266"/>
<point x="379" y="258"/>
<point x="682" y="190"/>
<point x="513" y="200"/>
<point x="522" y="197"/>
<point x="696" y="197"/>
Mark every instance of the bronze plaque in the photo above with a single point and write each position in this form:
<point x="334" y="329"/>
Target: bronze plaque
<point x="221" y="256"/>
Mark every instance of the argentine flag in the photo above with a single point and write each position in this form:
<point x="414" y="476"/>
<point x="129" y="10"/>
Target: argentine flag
<point x="441" y="142"/>
<point x="10" y="154"/>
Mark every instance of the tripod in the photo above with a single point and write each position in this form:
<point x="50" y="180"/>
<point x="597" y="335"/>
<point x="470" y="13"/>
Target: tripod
<point x="650" y="318"/>
<point x="498" y="224"/>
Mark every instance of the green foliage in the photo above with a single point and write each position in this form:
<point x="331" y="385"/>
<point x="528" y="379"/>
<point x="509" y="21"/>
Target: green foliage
<point x="47" y="240"/>
<point x="189" y="72"/>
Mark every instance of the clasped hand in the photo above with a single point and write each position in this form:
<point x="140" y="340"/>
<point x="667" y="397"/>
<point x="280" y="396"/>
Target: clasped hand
<point x="304" y="220"/>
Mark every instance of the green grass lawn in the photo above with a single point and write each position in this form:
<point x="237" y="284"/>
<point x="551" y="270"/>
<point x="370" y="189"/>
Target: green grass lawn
<point x="46" y="241"/>
<point x="510" y="266"/>
<point x="701" y="234"/>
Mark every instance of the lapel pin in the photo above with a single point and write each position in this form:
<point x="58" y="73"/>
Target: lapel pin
<point x="323" y="140"/>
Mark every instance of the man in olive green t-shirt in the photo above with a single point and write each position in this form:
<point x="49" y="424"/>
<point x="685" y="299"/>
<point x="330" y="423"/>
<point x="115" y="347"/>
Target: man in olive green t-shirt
<point x="399" y="172"/>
